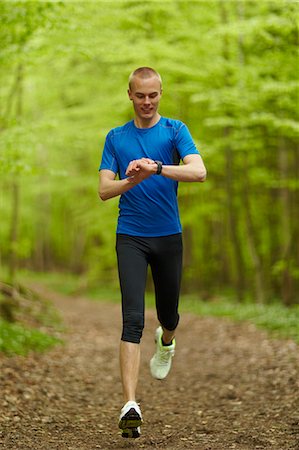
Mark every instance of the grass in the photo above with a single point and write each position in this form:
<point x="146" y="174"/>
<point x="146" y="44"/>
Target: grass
<point x="28" y="322"/>
<point x="277" y="319"/>
<point x="18" y="339"/>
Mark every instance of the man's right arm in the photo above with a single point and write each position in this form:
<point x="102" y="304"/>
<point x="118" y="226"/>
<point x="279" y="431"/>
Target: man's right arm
<point x="109" y="187"/>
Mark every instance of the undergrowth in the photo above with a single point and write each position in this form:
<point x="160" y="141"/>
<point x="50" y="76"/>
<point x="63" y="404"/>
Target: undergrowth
<point x="28" y="322"/>
<point x="277" y="319"/>
<point x="18" y="339"/>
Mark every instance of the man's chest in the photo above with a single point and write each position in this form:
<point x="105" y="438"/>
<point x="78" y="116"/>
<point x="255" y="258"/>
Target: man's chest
<point x="128" y="148"/>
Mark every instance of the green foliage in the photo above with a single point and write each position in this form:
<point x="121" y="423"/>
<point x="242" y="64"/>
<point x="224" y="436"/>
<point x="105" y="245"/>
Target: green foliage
<point x="277" y="319"/>
<point x="280" y="321"/>
<point x="17" y="339"/>
<point x="229" y="72"/>
<point x="28" y="321"/>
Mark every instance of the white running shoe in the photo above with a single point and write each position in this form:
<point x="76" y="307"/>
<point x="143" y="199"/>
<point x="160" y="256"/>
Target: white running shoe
<point x="160" y="363"/>
<point x="130" y="420"/>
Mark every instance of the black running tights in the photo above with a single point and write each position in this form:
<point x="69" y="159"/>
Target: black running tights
<point x="164" y="255"/>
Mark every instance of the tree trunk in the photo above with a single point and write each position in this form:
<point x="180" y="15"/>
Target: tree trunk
<point x="252" y="239"/>
<point x="286" y="279"/>
<point x="14" y="223"/>
<point x="13" y="235"/>
<point x="232" y="214"/>
<point x="232" y="222"/>
<point x="251" y="234"/>
<point x="42" y="251"/>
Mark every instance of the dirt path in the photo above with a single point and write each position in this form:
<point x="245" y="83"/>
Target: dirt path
<point x="231" y="387"/>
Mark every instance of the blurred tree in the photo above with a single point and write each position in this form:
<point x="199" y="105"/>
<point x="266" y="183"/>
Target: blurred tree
<point x="228" y="70"/>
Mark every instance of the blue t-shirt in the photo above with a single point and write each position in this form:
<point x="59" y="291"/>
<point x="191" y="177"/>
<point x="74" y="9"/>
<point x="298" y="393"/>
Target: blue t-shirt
<point x="150" y="208"/>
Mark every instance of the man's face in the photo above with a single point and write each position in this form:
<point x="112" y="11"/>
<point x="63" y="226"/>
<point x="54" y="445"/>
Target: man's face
<point x="145" y="95"/>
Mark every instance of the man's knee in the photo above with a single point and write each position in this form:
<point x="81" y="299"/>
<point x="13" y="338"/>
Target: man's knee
<point x="170" y="323"/>
<point x="133" y="324"/>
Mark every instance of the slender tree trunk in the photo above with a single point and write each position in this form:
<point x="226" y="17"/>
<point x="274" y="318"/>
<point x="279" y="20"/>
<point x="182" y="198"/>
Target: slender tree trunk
<point x="188" y="245"/>
<point x="13" y="235"/>
<point x="252" y="243"/>
<point x="295" y="213"/>
<point x="13" y="93"/>
<point x="286" y="279"/>
<point x="231" y="210"/>
<point x="79" y="245"/>
<point x="1" y="209"/>
<point x="251" y="233"/>
<point x="14" y="223"/>
<point x="42" y="250"/>
<point x="232" y="221"/>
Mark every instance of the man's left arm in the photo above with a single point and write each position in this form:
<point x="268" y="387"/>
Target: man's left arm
<point x="193" y="169"/>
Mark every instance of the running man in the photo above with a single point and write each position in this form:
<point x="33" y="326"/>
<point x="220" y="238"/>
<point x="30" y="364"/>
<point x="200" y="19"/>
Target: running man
<point x="145" y="154"/>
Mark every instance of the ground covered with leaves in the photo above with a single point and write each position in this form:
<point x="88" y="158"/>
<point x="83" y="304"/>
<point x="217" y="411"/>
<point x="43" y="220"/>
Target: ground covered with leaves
<point x="231" y="387"/>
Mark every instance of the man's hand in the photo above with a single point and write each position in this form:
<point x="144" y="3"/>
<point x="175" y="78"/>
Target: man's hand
<point x="140" y="169"/>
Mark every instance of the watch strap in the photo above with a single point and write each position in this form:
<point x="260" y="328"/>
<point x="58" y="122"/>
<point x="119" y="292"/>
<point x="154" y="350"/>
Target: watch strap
<point x="159" y="167"/>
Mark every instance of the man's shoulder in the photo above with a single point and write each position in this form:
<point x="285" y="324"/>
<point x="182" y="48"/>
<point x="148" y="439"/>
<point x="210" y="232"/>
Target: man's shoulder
<point x="120" y="129"/>
<point x="167" y="122"/>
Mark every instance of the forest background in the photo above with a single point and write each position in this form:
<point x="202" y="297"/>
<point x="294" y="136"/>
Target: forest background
<point x="229" y="71"/>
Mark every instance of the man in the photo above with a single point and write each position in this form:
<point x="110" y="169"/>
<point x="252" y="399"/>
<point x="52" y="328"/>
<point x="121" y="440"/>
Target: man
<point x="145" y="154"/>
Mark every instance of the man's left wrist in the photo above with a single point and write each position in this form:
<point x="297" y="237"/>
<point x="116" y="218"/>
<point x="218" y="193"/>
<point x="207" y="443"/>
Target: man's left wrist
<point x="159" y="167"/>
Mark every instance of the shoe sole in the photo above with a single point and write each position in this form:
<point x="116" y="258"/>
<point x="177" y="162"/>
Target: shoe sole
<point x="130" y="433"/>
<point x="129" y="424"/>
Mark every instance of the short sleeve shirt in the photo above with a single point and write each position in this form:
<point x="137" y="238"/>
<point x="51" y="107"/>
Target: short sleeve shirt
<point x="150" y="208"/>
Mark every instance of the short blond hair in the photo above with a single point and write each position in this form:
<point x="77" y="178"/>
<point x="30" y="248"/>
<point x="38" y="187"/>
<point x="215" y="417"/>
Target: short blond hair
<point x="144" y="72"/>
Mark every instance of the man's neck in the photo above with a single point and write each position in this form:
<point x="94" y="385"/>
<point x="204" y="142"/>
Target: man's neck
<point x="144" y="123"/>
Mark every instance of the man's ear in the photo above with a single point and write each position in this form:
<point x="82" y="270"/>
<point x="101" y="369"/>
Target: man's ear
<point x="130" y="94"/>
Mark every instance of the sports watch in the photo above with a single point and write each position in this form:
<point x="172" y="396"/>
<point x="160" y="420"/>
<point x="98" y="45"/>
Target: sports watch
<point x="159" y="167"/>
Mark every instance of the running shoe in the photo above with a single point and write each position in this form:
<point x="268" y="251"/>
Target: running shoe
<point x="160" y="363"/>
<point x="130" y="420"/>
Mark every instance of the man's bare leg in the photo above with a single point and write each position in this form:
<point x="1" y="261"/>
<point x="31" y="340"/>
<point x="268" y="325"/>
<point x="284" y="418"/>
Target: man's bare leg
<point x="167" y="335"/>
<point x="129" y="356"/>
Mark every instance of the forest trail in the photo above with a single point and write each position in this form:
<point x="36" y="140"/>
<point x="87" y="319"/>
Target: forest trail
<point x="231" y="387"/>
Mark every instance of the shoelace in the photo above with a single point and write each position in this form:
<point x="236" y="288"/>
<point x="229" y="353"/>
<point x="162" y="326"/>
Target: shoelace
<point x="164" y="356"/>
